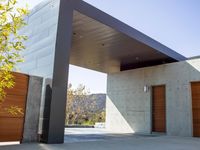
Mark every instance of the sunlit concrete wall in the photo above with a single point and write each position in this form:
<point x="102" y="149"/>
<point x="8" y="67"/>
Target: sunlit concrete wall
<point x="40" y="46"/>
<point x="128" y="107"/>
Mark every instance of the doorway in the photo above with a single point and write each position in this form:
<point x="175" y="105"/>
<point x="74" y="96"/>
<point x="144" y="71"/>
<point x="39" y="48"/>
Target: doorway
<point x="158" y="109"/>
<point x="195" y="87"/>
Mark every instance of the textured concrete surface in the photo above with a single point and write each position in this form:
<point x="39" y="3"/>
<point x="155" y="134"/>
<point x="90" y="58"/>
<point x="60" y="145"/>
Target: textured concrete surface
<point x="119" y="142"/>
<point x="32" y="109"/>
<point x="128" y="107"/>
<point x="40" y="46"/>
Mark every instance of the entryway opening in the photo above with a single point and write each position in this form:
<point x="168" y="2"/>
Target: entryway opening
<point x="86" y="103"/>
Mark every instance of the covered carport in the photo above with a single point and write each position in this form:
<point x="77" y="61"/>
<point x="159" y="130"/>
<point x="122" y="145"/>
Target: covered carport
<point x="90" y="38"/>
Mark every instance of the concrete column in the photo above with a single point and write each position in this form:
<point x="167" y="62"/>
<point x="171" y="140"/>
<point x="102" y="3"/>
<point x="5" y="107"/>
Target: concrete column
<point x="60" y="73"/>
<point x="32" y="111"/>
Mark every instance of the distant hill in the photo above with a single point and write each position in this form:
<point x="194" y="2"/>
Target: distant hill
<point x="91" y="103"/>
<point x="100" y="100"/>
<point x="86" y="110"/>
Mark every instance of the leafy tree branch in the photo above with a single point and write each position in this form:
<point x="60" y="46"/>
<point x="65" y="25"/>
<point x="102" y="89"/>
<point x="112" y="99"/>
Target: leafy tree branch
<point x="11" y="42"/>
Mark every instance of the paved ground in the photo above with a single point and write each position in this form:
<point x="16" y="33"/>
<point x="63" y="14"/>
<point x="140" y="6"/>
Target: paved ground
<point x="70" y="131"/>
<point x="95" y="141"/>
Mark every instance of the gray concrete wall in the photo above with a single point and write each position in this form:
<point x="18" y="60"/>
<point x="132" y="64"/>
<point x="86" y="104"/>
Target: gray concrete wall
<point x="40" y="46"/>
<point x="32" y="113"/>
<point x="128" y="107"/>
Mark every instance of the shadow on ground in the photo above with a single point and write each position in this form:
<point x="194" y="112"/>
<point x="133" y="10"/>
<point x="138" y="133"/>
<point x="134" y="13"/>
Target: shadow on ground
<point x="115" y="142"/>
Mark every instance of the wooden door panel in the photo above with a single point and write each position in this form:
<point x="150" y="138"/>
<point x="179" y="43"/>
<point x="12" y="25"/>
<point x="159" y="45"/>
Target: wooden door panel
<point x="15" y="126"/>
<point x="158" y="109"/>
<point x="195" y="87"/>
<point x="13" y="101"/>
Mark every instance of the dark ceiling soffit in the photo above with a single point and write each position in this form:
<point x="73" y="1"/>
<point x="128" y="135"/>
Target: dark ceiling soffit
<point x="114" y="23"/>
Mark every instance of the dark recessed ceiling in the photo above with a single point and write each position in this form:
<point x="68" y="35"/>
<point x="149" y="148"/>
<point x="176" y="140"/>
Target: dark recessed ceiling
<point x="99" y="47"/>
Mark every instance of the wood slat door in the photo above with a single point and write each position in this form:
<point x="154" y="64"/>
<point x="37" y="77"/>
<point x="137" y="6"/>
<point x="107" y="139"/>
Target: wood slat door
<point x="11" y="126"/>
<point x="195" y="87"/>
<point x="158" y="109"/>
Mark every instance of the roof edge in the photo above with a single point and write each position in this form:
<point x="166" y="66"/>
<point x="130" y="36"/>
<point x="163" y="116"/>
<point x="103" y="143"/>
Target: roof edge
<point x="104" y="18"/>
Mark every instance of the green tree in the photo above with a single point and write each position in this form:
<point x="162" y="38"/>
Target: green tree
<point x="11" y="42"/>
<point x="81" y="107"/>
<point x="74" y="96"/>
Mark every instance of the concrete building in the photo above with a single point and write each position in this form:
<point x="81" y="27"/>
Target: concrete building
<point x="150" y="87"/>
<point x="129" y="106"/>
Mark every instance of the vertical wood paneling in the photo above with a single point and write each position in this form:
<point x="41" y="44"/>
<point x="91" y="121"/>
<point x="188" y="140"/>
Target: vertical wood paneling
<point x="11" y="126"/>
<point x="158" y="109"/>
<point x="195" y="86"/>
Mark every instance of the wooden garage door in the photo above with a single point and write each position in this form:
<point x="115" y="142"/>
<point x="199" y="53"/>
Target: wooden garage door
<point x="196" y="108"/>
<point x="11" y="125"/>
<point x="158" y="109"/>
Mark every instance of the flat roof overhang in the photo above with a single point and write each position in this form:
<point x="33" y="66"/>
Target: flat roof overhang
<point x="89" y="38"/>
<point x="103" y="43"/>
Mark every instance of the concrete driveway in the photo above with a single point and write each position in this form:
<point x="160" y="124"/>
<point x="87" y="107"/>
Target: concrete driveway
<point x="116" y="142"/>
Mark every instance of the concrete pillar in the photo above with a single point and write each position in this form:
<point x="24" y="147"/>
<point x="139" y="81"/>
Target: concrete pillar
<point x="55" y="131"/>
<point x="32" y="111"/>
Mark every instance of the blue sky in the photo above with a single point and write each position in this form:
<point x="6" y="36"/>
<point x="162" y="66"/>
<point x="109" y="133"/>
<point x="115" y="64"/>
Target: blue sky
<point x="174" y="23"/>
